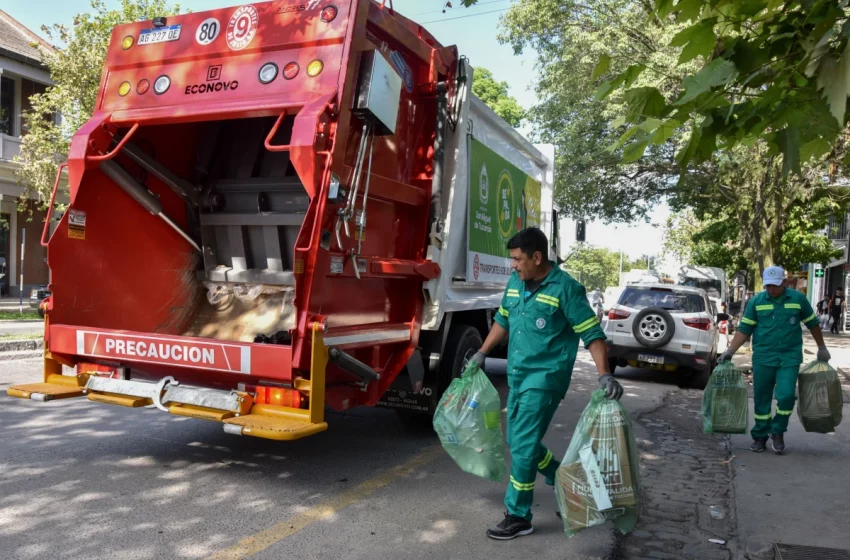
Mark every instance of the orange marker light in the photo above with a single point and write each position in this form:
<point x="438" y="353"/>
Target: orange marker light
<point x="124" y="88"/>
<point x="315" y="68"/>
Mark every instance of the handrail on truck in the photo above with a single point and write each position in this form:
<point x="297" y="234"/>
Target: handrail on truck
<point x="118" y="148"/>
<point x="268" y="143"/>
<point x="62" y="167"/>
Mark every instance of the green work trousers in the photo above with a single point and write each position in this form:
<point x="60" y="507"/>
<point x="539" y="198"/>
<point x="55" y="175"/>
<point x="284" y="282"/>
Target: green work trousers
<point x="766" y="380"/>
<point x="529" y="414"/>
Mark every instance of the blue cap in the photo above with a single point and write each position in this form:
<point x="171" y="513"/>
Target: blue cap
<point x="773" y="276"/>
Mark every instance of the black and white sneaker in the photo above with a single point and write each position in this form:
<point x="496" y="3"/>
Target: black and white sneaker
<point x="778" y="443"/>
<point x="510" y="528"/>
<point x="759" y="444"/>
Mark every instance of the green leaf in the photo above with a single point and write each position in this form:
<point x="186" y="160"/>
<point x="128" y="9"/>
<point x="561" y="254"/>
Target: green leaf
<point x="632" y="73"/>
<point x="698" y="39"/>
<point x="814" y="149"/>
<point x="663" y="8"/>
<point x="649" y="125"/>
<point x="601" y="67"/>
<point x="665" y="131"/>
<point x="749" y="8"/>
<point x="688" y="9"/>
<point x="718" y="72"/>
<point x="645" y="102"/>
<point x="634" y="151"/>
<point x="686" y="154"/>
<point x="618" y="122"/>
<point x="604" y="90"/>
<point x="788" y="140"/>
<point x="834" y="77"/>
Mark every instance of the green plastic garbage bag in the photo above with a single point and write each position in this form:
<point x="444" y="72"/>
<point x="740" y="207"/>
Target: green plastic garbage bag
<point x="725" y="404"/>
<point x="820" y="403"/>
<point x="469" y="423"/>
<point x="598" y="478"/>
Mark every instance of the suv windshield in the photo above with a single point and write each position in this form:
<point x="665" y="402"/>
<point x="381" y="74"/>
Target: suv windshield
<point x="641" y="298"/>
<point x="711" y="287"/>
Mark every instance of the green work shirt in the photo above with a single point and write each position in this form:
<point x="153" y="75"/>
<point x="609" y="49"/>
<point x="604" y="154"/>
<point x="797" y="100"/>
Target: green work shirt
<point x="774" y="325"/>
<point x="544" y="327"/>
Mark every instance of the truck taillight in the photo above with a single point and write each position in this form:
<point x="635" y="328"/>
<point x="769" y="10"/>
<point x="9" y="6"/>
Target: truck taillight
<point x="291" y="70"/>
<point x="328" y="14"/>
<point x="143" y="86"/>
<point x="315" y="68"/>
<point x="127" y="42"/>
<point x="161" y="84"/>
<point x="701" y="324"/>
<point x="618" y="315"/>
<point x="268" y="72"/>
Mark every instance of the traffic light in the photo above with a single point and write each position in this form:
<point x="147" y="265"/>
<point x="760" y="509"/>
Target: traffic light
<point x="580" y="231"/>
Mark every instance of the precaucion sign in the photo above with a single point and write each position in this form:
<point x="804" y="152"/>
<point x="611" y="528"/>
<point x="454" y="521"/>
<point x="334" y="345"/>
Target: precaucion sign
<point x="502" y="201"/>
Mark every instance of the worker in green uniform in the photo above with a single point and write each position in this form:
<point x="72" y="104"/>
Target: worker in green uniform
<point x="544" y="312"/>
<point x="772" y="319"/>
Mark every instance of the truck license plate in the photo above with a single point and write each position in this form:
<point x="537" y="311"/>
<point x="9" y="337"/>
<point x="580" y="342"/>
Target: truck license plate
<point x="650" y="359"/>
<point x="160" y="34"/>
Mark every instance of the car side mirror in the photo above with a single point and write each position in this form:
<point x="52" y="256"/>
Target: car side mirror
<point x="722" y="316"/>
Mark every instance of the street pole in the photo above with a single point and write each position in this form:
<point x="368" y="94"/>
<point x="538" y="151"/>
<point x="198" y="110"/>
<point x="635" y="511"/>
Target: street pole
<point x="21" y="286"/>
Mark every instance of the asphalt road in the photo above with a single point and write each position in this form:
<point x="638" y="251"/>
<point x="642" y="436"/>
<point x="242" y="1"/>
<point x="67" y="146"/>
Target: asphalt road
<point x="85" y="480"/>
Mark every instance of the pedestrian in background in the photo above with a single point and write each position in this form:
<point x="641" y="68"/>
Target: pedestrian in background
<point x="544" y="313"/>
<point x="772" y="319"/>
<point x="836" y="308"/>
<point x="823" y="312"/>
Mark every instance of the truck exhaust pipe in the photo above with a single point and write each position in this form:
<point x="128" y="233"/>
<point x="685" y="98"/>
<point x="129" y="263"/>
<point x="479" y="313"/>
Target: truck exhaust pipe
<point x="141" y="195"/>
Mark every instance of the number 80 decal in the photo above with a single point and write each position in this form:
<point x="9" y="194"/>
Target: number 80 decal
<point x="242" y="27"/>
<point x="208" y="31"/>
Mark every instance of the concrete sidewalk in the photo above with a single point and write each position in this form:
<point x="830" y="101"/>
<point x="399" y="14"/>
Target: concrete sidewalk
<point x="797" y="498"/>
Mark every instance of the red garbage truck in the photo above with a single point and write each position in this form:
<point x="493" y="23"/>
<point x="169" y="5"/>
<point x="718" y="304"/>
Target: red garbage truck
<point x="281" y="207"/>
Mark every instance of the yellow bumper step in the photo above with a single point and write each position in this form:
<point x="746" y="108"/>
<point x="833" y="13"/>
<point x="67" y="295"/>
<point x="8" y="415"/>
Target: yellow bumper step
<point x="57" y="387"/>
<point x="272" y="427"/>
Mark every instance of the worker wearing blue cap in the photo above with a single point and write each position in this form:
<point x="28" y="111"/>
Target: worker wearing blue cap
<point x="773" y="319"/>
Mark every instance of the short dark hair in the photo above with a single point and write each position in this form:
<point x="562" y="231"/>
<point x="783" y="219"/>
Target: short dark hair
<point x="529" y="241"/>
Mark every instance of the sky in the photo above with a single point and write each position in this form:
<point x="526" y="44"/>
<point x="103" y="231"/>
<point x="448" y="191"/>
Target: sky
<point x="473" y="30"/>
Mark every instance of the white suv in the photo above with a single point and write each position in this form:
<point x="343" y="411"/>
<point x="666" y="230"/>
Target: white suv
<point x="664" y="327"/>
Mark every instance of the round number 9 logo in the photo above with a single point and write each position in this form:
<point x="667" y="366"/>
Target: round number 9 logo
<point x="242" y="27"/>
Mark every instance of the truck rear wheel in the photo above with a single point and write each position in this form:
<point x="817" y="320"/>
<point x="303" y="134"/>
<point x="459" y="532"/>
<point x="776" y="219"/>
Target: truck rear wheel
<point x="462" y="343"/>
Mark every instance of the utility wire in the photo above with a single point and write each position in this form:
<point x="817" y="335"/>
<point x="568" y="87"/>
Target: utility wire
<point x="470" y="8"/>
<point x="464" y="17"/>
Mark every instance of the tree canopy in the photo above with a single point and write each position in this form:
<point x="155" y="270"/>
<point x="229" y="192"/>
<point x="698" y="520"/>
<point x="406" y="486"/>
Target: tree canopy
<point x="495" y="95"/>
<point x="75" y="67"/>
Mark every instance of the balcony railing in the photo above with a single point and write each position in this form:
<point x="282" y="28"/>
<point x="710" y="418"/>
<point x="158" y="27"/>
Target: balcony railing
<point x="10" y="146"/>
<point x="836" y="229"/>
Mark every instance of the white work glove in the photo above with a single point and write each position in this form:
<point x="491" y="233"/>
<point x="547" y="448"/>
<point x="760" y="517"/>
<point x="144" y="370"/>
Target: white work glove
<point x="823" y="354"/>
<point x="725" y="356"/>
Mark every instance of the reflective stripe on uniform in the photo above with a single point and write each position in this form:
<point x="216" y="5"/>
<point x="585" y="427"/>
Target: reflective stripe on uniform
<point x="783" y="412"/>
<point x="546" y="460"/>
<point x="764" y="307"/>
<point x="761" y="416"/>
<point x="548" y="300"/>
<point x="512" y="293"/>
<point x="589" y="324"/>
<point x="748" y="321"/>
<point x="520" y="486"/>
<point x="792" y="306"/>
<point x="503" y="312"/>
<point x="807" y="319"/>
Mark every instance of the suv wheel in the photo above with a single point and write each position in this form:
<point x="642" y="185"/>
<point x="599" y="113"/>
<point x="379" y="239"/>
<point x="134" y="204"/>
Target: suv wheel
<point x="653" y="327"/>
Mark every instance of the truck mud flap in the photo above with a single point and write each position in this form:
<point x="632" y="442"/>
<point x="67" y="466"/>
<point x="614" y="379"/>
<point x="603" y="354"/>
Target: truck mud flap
<point x="401" y="396"/>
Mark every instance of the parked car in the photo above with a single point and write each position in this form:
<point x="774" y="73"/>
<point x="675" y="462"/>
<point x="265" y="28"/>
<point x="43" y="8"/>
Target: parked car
<point x="37" y="295"/>
<point x="663" y="327"/>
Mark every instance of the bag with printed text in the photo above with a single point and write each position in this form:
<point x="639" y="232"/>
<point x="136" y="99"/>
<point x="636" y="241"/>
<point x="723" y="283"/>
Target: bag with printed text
<point x="469" y="423"/>
<point x="725" y="404"/>
<point x="598" y="478"/>
<point x="819" y="408"/>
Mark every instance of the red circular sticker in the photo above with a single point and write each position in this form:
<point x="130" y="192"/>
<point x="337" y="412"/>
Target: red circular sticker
<point x="242" y="27"/>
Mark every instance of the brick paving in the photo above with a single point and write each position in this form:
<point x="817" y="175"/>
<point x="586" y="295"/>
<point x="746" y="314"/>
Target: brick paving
<point x="683" y="473"/>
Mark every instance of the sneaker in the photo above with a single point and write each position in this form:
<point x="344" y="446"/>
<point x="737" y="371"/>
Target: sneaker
<point x="759" y="444"/>
<point x="510" y="528"/>
<point x="778" y="443"/>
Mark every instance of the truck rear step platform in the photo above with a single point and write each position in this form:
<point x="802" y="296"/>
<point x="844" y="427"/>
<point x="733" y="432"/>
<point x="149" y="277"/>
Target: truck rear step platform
<point x="57" y="387"/>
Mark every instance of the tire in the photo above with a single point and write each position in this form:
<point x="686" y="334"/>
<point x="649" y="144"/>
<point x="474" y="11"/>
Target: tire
<point x="699" y="377"/>
<point x="463" y="341"/>
<point x="653" y="327"/>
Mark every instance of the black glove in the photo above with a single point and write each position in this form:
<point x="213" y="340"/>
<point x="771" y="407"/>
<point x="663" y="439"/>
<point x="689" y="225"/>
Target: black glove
<point x="479" y="358"/>
<point x="613" y="389"/>
<point x="725" y="356"/>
